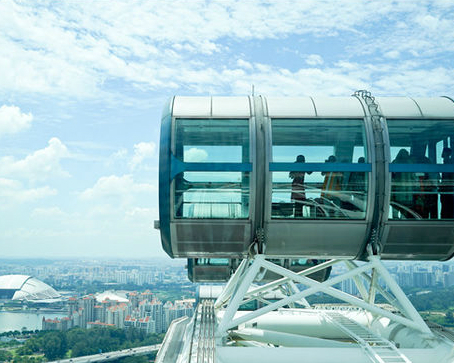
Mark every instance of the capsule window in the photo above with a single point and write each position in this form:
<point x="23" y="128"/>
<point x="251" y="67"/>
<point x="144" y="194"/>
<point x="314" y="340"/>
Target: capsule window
<point x="217" y="192"/>
<point x="322" y="177"/>
<point x="212" y="140"/>
<point x="219" y="195"/>
<point x="212" y="261"/>
<point x="422" y="169"/>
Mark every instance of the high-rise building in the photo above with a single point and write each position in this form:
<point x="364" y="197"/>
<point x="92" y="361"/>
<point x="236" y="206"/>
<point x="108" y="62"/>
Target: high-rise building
<point x="88" y="310"/>
<point x="141" y="311"/>
<point x="156" y="313"/>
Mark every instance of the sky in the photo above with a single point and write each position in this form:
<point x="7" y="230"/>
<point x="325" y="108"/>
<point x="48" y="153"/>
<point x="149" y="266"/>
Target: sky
<point x="83" y="84"/>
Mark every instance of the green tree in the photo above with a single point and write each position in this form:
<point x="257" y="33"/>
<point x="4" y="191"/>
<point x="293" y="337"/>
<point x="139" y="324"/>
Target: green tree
<point x="54" y="345"/>
<point x="5" y="356"/>
<point x="141" y="359"/>
<point x="449" y="317"/>
<point x="81" y="348"/>
<point x="24" y="350"/>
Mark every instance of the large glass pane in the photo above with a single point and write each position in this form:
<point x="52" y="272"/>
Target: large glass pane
<point x="319" y="195"/>
<point x="212" y="261"/>
<point x="421" y="191"/>
<point x="212" y="195"/>
<point x="315" y="194"/>
<point x="317" y="140"/>
<point x="212" y="140"/>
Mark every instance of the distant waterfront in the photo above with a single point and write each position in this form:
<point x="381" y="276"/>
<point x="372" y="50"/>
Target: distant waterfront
<point x="30" y="320"/>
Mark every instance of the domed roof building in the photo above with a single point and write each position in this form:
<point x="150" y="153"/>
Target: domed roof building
<point x="112" y="295"/>
<point x="23" y="287"/>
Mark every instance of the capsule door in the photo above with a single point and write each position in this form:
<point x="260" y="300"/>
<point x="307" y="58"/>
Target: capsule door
<point x="320" y="172"/>
<point x="211" y="177"/>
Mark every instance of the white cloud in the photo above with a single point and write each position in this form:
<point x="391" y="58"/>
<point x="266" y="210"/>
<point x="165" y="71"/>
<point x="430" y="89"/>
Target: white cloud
<point x="392" y="54"/>
<point x="314" y="60"/>
<point x="74" y="48"/>
<point x="195" y="155"/>
<point x="13" y="120"/>
<point x="52" y="212"/>
<point x="244" y="64"/>
<point x="143" y="216"/>
<point x="118" y="156"/>
<point x="40" y="165"/>
<point x="118" y="187"/>
<point x="142" y="151"/>
<point x="13" y="190"/>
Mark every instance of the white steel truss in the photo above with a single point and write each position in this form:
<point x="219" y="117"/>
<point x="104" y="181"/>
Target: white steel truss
<point x="297" y="287"/>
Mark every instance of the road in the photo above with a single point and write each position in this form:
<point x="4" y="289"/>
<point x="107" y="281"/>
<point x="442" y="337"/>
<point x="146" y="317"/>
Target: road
<point x="106" y="357"/>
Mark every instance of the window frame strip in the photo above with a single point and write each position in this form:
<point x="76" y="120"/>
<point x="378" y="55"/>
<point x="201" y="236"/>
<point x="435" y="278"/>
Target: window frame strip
<point x="327" y="167"/>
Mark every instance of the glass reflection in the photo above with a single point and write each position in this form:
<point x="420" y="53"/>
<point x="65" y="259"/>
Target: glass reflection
<point x="212" y="195"/>
<point x="212" y="262"/>
<point x="212" y="140"/>
<point x="319" y="195"/>
<point x="425" y="188"/>
<point x="330" y="195"/>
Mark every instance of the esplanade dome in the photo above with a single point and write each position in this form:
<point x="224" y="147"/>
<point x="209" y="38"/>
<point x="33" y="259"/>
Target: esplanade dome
<point x="23" y="287"/>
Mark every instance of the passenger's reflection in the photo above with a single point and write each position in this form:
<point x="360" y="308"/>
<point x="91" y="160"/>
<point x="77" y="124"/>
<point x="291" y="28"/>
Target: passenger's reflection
<point x="447" y="187"/>
<point x="357" y="186"/>
<point x="402" y="186"/>
<point x="332" y="184"/>
<point x="426" y="201"/>
<point x="298" y="195"/>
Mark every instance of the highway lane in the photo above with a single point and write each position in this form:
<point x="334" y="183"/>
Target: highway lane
<point x="109" y="356"/>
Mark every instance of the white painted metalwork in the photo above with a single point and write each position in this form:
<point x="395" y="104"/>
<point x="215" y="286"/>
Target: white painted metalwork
<point x="358" y="331"/>
<point x="231" y="299"/>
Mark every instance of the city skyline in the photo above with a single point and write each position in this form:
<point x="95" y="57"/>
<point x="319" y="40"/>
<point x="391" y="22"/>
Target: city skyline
<point x="84" y="83"/>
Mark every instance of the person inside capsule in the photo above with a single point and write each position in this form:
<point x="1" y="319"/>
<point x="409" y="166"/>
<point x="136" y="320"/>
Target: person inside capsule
<point x="402" y="188"/>
<point x="332" y="184"/>
<point x="426" y="199"/>
<point x="447" y="187"/>
<point x="357" y="186"/>
<point x="298" y="196"/>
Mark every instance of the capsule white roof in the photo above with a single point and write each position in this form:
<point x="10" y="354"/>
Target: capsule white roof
<point x="313" y="107"/>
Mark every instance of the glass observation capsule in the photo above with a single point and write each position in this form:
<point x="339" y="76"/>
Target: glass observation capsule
<point x="309" y="177"/>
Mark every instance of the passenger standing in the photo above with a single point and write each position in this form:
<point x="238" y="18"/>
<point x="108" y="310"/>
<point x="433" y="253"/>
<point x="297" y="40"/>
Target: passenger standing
<point x="447" y="187"/>
<point x="402" y="185"/>
<point x="331" y="185"/>
<point x="357" y="186"/>
<point x="426" y="202"/>
<point x="298" y="194"/>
